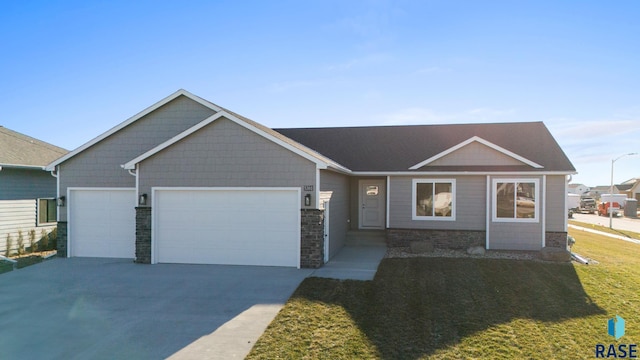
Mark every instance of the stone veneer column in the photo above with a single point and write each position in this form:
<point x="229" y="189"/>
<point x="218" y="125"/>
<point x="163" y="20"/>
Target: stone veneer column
<point x="440" y="239"/>
<point x="556" y="239"/>
<point x="311" y="238"/>
<point x="143" y="235"/>
<point x="61" y="241"/>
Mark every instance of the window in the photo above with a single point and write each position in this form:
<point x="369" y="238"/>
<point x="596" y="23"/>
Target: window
<point x="47" y="211"/>
<point x="515" y="200"/>
<point x="434" y="199"/>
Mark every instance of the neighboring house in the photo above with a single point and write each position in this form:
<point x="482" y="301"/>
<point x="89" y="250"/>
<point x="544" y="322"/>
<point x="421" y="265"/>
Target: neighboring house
<point x="27" y="190"/>
<point x="596" y="191"/>
<point x="631" y="188"/>
<point x="186" y="181"/>
<point x="579" y="189"/>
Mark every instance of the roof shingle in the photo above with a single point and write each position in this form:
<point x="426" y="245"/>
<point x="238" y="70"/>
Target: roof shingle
<point x="23" y="150"/>
<point x="397" y="148"/>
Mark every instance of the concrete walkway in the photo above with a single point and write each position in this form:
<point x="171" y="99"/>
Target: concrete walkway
<point x="619" y="237"/>
<point x="353" y="263"/>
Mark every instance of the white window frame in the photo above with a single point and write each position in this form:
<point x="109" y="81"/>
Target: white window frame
<point x="38" y="211"/>
<point x="414" y="190"/>
<point x="515" y="181"/>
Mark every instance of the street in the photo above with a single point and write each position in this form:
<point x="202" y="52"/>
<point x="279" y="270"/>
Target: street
<point x="620" y="223"/>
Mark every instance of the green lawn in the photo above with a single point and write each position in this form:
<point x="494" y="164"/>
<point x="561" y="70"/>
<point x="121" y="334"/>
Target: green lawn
<point x="447" y="308"/>
<point x="630" y="234"/>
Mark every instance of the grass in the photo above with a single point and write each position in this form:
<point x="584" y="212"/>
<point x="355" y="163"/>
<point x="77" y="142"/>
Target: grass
<point x="630" y="234"/>
<point x="447" y="308"/>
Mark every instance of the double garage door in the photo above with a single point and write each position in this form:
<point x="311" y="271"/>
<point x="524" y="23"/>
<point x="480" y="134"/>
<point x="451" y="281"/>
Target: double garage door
<point x="194" y="226"/>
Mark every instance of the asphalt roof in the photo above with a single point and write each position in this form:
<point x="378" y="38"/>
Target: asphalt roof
<point x="23" y="150"/>
<point x="397" y="148"/>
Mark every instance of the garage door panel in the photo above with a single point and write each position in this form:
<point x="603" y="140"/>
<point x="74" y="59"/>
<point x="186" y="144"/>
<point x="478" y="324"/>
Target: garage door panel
<point x="102" y="223"/>
<point x="243" y="227"/>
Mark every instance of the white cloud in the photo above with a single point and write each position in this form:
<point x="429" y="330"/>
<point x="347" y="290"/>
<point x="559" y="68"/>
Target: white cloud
<point x="592" y="144"/>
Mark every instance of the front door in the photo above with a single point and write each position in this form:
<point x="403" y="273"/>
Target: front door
<point x="372" y="204"/>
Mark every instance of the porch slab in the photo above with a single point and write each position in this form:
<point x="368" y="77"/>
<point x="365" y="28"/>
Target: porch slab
<point x="353" y="262"/>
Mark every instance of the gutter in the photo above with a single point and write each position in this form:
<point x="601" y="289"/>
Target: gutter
<point x="19" y="166"/>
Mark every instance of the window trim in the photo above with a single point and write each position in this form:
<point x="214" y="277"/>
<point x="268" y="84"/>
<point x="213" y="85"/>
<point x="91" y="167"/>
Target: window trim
<point x="38" y="212"/>
<point x="515" y="219"/>
<point x="414" y="188"/>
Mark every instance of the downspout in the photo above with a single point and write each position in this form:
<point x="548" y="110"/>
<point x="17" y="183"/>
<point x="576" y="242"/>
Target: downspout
<point x="134" y="172"/>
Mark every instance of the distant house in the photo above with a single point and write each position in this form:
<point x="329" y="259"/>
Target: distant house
<point x="631" y="188"/>
<point x="596" y="191"/>
<point x="187" y="181"/>
<point x="579" y="189"/>
<point x="27" y="190"/>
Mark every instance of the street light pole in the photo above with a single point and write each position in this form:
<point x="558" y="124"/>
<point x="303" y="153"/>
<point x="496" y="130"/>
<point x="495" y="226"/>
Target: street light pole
<point x="611" y="188"/>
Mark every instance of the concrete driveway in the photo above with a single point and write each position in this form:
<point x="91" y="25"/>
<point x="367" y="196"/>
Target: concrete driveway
<point x="83" y="308"/>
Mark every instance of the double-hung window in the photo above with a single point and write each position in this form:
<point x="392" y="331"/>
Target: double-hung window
<point x="47" y="211"/>
<point x="434" y="199"/>
<point x="516" y="200"/>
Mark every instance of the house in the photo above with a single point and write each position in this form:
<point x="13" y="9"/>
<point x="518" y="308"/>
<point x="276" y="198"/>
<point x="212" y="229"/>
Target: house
<point x="579" y="189"/>
<point x="631" y="188"/>
<point x="187" y="181"/>
<point x="27" y="190"/>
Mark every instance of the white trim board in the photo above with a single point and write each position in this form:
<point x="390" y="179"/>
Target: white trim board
<point x="133" y="119"/>
<point x="483" y="142"/>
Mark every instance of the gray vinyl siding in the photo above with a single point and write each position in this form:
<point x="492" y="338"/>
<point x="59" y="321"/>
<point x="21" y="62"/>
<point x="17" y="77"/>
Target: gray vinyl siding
<point x="556" y="212"/>
<point x="517" y="235"/>
<point x="225" y="154"/>
<point x="19" y="215"/>
<point x="475" y="154"/>
<point x="22" y="184"/>
<point x="338" y="187"/>
<point x="99" y="165"/>
<point x="470" y="204"/>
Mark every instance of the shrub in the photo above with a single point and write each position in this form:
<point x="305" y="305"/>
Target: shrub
<point x="7" y="251"/>
<point x="20" y="243"/>
<point x="44" y="240"/>
<point x="33" y="246"/>
<point x="53" y="238"/>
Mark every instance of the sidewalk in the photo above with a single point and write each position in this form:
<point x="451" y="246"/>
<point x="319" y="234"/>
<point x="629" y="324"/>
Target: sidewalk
<point x="619" y="237"/>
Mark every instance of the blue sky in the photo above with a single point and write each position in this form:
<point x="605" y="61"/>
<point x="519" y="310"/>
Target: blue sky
<point x="70" y="70"/>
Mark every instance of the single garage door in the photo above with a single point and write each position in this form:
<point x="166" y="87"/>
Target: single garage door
<point x="102" y="223"/>
<point x="227" y="226"/>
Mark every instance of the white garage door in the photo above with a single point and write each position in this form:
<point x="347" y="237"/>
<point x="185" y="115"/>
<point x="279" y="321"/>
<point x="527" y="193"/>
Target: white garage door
<point x="102" y="223"/>
<point x="227" y="226"/>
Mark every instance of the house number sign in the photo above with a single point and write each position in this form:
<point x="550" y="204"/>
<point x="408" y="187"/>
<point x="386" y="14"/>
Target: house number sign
<point x="308" y="188"/>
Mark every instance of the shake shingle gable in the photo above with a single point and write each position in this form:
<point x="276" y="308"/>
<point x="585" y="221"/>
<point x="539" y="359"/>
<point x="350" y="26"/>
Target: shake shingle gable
<point x="397" y="148"/>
